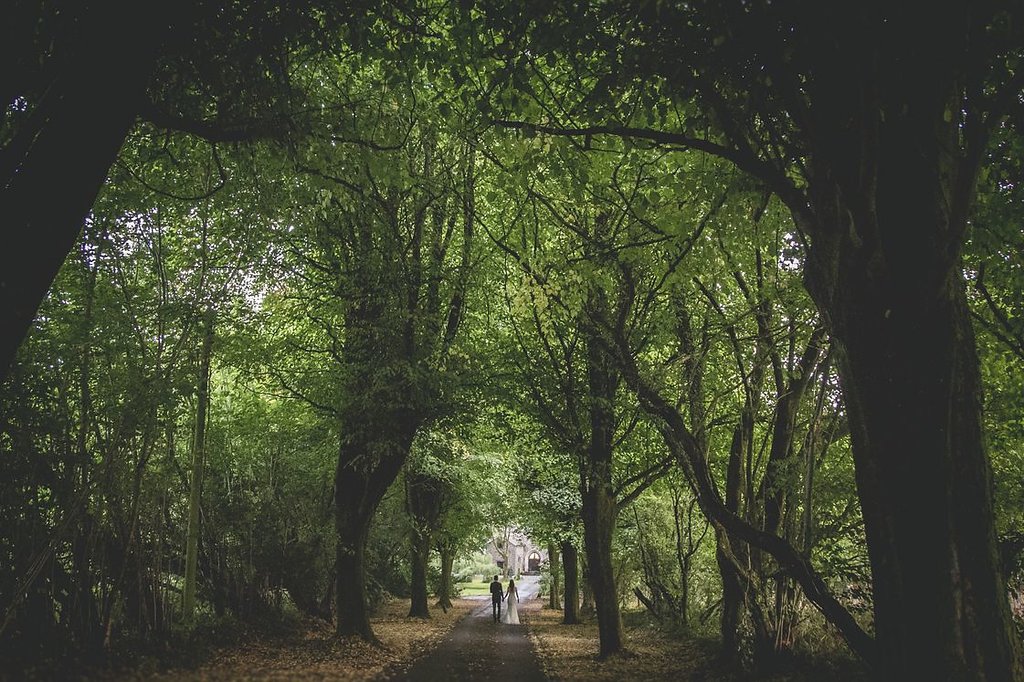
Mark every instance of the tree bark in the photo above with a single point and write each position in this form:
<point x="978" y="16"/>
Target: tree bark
<point x="912" y="388"/>
<point x="444" y="591"/>
<point x="891" y="198"/>
<point x="423" y="493"/>
<point x="732" y="599"/>
<point x="419" y="558"/>
<point x="600" y="508"/>
<point x="599" y="513"/>
<point x="571" y="593"/>
<point x="787" y="405"/>
<point x="353" y="616"/>
<point x="45" y="195"/>
<point x="732" y="591"/>
<point x="373" y="449"/>
<point x="587" y="600"/>
<point x="188" y="601"/>
<point x="554" y="600"/>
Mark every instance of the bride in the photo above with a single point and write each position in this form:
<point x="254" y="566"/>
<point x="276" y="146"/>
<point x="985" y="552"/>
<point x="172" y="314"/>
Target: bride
<point x="511" y="615"/>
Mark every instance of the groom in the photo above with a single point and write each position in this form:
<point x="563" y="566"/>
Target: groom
<point x="496" y="596"/>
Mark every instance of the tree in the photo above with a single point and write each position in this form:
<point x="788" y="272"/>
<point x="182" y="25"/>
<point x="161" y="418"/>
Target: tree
<point x="873" y="141"/>
<point x="82" y="94"/>
<point x="84" y="76"/>
<point x="125" y="315"/>
<point x="198" y="463"/>
<point x="387" y="250"/>
<point x="429" y="487"/>
<point x="659" y="183"/>
<point x="552" y="511"/>
<point x="576" y="394"/>
<point x="470" y="507"/>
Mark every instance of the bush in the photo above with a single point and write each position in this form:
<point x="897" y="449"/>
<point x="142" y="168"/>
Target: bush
<point x="468" y="569"/>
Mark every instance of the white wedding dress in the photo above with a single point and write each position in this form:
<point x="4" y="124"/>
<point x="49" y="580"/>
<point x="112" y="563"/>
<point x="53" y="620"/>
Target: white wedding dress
<point x="510" y="616"/>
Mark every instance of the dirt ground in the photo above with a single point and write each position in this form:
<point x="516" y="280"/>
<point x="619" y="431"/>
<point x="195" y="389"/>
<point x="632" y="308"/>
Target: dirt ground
<point x="465" y="644"/>
<point x="315" y="653"/>
<point x="568" y="653"/>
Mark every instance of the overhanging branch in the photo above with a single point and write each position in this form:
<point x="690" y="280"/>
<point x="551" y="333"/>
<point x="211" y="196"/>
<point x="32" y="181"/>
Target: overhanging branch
<point x="212" y="131"/>
<point x="772" y="177"/>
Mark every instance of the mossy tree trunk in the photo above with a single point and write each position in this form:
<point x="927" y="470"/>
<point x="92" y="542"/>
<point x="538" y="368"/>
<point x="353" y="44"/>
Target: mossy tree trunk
<point x="444" y="589"/>
<point x="359" y="489"/>
<point x="554" y="567"/>
<point x="188" y="601"/>
<point x="571" y="593"/>
<point x="600" y="507"/>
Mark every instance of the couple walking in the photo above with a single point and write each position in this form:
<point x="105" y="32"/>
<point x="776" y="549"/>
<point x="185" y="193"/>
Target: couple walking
<point x="511" y="595"/>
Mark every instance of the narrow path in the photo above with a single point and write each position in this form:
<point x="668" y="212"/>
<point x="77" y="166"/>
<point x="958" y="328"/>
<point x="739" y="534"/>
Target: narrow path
<point x="477" y="648"/>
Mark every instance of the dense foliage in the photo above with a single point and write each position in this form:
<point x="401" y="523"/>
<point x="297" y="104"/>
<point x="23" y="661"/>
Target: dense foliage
<point x="349" y="302"/>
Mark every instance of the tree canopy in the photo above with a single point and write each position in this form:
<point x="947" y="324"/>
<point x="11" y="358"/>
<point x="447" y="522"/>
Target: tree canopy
<point x="721" y="303"/>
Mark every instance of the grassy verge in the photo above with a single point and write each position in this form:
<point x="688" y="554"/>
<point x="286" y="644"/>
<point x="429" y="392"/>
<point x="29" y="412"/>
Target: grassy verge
<point x="473" y="589"/>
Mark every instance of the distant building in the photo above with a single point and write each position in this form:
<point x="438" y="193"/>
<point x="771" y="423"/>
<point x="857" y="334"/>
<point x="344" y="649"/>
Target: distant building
<point x="514" y="552"/>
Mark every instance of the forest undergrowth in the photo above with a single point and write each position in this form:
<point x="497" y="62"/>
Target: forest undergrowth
<point x="302" y="648"/>
<point x="658" y="653"/>
<point x="287" y="647"/>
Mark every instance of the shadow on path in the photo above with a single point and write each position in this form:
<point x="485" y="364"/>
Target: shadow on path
<point x="477" y="648"/>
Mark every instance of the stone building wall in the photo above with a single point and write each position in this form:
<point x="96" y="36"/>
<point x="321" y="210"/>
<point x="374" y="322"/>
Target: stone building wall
<point x="514" y="552"/>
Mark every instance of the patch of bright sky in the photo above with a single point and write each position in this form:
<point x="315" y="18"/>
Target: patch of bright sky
<point x="791" y="255"/>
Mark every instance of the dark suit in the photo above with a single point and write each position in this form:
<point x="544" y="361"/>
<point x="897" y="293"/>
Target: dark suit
<point x="496" y="593"/>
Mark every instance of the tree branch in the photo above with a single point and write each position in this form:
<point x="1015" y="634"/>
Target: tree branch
<point x="774" y="179"/>
<point x="681" y="443"/>
<point x="212" y="131"/>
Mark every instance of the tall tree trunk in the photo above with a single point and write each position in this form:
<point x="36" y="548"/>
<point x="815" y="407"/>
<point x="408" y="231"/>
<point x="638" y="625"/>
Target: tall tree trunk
<point x="912" y="389"/>
<point x="900" y="141"/>
<point x="732" y="590"/>
<point x="731" y="552"/>
<point x="599" y="513"/>
<point x="353" y="617"/>
<point x="777" y="640"/>
<point x="423" y="493"/>
<point x="890" y="214"/>
<point x="45" y="195"/>
<point x="373" y="449"/>
<point x="444" y="590"/>
<point x="787" y="405"/>
<point x="554" y="601"/>
<point x="85" y="615"/>
<point x="684" y="593"/>
<point x="188" y="601"/>
<point x="571" y="593"/>
<point x="732" y="600"/>
<point x="600" y="507"/>
<point x="419" y="557"/>
<point x="684" y="553"/>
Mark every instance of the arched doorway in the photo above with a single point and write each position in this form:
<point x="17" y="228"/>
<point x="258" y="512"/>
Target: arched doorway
<point x="534" y="562"/>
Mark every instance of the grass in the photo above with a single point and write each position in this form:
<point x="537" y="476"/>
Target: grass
<point x="473" y="589"/>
